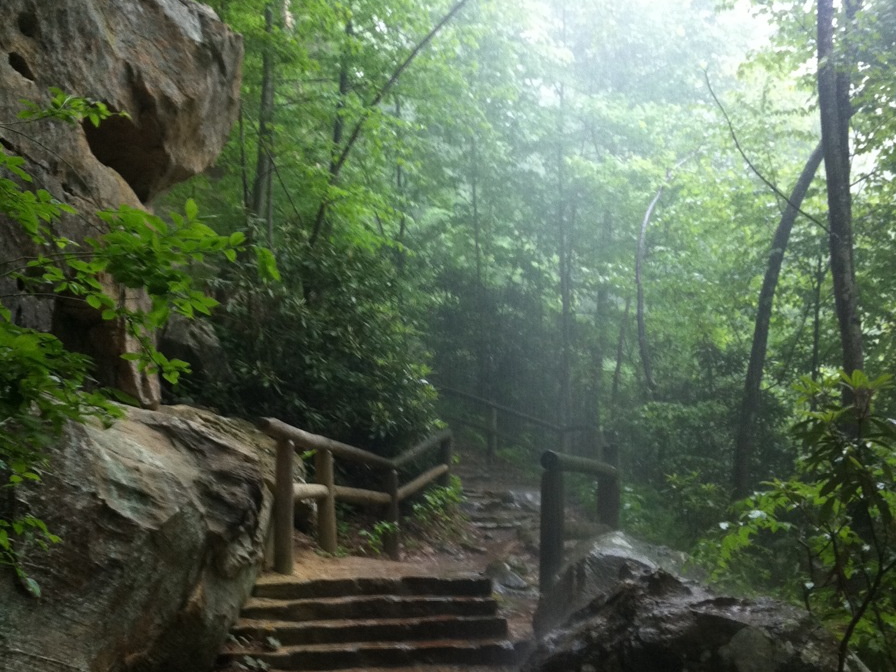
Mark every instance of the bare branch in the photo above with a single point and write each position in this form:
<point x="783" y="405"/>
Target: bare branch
<point x="780" y="194"/>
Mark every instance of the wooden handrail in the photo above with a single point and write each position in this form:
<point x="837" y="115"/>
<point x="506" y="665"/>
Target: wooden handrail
<point x="553" y="460"/>
<point x="308" y="441"/>
<point x="504" y="409"/>
<point x="552" y="503"/>
<point x="327" y="492"/>
<point x="423" y="447"/>
<point x="490" y="427"/>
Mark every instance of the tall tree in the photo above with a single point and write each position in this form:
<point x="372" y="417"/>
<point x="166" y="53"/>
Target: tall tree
<point x="749" y="408"/>
<point x="835" y="108"/>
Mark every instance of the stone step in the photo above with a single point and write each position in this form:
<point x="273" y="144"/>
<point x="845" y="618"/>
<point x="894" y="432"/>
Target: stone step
<point x="367" y="655"/>
<point x="286" y="588"/>
<point x="368" y="630"/>
<point x="428" y="668"/>
<point x="491" y="524"/>
<point x="367" y="606"/>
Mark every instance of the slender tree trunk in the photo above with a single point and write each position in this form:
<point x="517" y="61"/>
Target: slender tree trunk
<point x="261" y="206"/>
<point x="620" y="352"/>
<point x="821" y="270"/>
<point x="563" y="254"/>
<point x="639" y="285"/>
<point x="341" y="94"/>
<point x="399" y="190"/>
<point x="601" y="317"/>
<point x="639" y="280"/>
<point x="244" y="164"/>
<point x="743" y="443"/>
<point x="484" y="378"/>
<point x="835" y="110"/>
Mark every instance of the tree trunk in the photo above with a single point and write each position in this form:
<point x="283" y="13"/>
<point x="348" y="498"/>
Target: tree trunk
<point x="342" y="92"/>
<point x="564" y="270"/>
<point x="639" y="285"/>
<point x="743" y="444"/>
<point x="484" y="383"/>
<point x="620" y="352"/>
<point x="261" y="206"/>
<point x="835" y="110"/>
<point x="400" y="254"/>
<point x="821" y="270"/>
<point x="601" y="311"/>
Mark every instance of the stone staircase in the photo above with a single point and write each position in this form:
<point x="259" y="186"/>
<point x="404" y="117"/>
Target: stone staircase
<point x="364" y="623"/>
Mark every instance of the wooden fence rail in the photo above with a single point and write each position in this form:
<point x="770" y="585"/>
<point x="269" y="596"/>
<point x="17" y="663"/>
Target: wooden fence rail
<point x="326" y="492"/>
<point x="488" y="425"/>
<point x="552" y="503"/>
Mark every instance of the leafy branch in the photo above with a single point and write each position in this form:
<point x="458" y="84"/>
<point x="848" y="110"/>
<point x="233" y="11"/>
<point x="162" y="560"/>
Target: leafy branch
<point x="368" y="109"/>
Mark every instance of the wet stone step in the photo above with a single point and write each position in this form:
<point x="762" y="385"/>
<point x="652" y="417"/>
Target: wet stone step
<point x="499" y="524"/>
<point x="368" y="606"/>
<point x="428" y="668"/>
<point x="287" y="589"/>
<point x="381" y="654"/>
<point x="383" y="630"/>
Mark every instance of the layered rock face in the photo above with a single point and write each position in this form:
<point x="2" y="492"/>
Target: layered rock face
<point x="173" y="67"/>
<point x="616" y="610"/>
<point x="162" y="519"/>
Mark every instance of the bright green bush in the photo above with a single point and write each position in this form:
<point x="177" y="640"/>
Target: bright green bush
<point x="827" y="536"/>
<point x="332" y="349"/>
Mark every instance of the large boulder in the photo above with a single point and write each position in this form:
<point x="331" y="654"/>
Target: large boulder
<point x="174" y="68"/>
<point x="639" y="617"/>
<point x="163" y="519"/>
<point x="595" y="567"/>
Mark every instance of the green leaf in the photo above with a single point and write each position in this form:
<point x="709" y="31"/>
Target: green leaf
<point x="267" y="265"/>
<point x="31" y="586"/>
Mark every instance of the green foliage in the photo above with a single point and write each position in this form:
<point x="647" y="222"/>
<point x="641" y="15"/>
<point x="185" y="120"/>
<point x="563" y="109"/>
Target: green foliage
<point x="253" y="664"/>
<point x="438" y="504"/>
<point x="42" y="385"/>
<point x="332" y="348"/>
<point x="837" y="515"/>
<point x="68" y="108"/>
<point x="436" y="516"/>
<point x="375" y="537"/>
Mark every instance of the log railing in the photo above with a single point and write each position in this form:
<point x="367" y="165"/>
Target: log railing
<point x="552" y="503"/>
<point x="488" y="425"/>
<point x="326" y="492"/>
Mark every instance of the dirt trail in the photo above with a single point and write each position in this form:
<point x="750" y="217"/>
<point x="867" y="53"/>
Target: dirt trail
<point x="498" y="538"/>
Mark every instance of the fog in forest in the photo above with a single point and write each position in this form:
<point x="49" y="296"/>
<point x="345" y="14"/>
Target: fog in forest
<point x="665" y="226"/>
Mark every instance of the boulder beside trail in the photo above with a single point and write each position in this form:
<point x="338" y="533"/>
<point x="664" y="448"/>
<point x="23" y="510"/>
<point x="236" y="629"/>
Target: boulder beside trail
<point x="595" y="568"/>
<point x="638" y="617"/>
<point x="162" y="519"/>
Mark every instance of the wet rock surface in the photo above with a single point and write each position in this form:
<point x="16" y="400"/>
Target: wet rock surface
<point x="595" y="568"/>
<point x="162" y="520"/>
<point x="174" y="69"/>
<point x="639" y="617"/>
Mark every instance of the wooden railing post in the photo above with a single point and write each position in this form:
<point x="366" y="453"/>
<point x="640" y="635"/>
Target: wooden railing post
<point x="551" y="549"/>
<point x="445" y="457"/>
<point x="391" y="538"/>
<point x="492" y="433"/>
<point x="283" y="508"/>
<point x="326" y="491"/>
<point x="326" y="509"/>
<point x="608" y="491"/>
